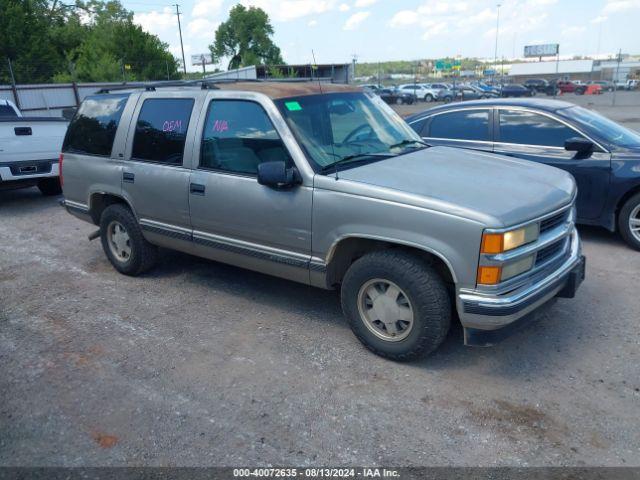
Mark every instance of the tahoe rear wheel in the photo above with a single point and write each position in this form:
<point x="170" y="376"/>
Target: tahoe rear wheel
<point x="123" y="242"/>
<point x="428" y="98"/>
<point x="396" y="304"/>
<point x="629" y="221"/>
<point x="50" y="186"/>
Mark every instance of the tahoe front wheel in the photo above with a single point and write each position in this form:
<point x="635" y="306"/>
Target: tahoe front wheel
<point x="396" y="304"/>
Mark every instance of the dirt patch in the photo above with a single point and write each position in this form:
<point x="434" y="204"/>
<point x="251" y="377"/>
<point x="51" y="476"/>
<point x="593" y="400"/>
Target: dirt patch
<point x="515" y="420"/>
<point x="104" y="440"/>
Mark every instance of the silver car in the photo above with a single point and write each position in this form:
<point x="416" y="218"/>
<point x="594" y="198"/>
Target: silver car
<point x="324" y="184"/>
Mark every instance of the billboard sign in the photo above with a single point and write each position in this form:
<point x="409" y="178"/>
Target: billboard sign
<point x="548" y="50"/>
<point x="201" y="58"/>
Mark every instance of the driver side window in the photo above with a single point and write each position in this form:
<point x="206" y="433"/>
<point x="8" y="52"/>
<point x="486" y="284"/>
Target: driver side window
<point x="161" y="130"/>
<point x="238" y="136"/>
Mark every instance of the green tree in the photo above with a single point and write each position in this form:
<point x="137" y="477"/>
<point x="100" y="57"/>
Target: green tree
<point x="92" y="40"/>
<point x="245" y="38"/>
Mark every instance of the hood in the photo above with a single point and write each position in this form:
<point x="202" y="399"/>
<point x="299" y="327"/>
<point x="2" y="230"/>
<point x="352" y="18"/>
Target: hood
<point x="488" y="187"/>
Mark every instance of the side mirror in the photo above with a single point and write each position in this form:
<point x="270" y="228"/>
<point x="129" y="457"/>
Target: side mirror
<point x="579" y="145"/>
<point x="277" y="175"/>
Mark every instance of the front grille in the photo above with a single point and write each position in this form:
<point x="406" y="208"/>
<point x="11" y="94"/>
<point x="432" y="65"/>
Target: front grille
<point x="549" y="252"/>
<point x="552" y="222"/>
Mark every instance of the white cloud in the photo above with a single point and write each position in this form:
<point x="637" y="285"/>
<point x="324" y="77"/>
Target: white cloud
<point x="403" y="18"/>
<point x="435" y="30"/>
<point x="599" y="19"/>
<point x="202" y="27"/>
<point x="344" y="7"/>
<point x="355" y="20"/>
<point x="206" y="8"/>
<point x="615" y="6"/>
<point x="286" y="10"/>
<point x="156" y="22"/>
<point x="312" y="23"/>
<point x="364" y="3"/>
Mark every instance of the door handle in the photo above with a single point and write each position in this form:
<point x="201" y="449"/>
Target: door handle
<point x="196" y="188"/>
<point x="19" y="131"/>
<point x="128" y="177"/>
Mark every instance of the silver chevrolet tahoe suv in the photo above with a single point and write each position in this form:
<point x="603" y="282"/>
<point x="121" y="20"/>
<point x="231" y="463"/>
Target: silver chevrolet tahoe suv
<point x="324" y="184"/>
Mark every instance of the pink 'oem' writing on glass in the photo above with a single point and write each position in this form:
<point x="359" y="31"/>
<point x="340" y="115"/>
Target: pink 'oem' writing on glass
<point x="220" y="126"/>
<point x="172" y="126"/>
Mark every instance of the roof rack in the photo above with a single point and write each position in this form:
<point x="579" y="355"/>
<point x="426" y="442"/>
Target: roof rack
<point x="205" y="84"/>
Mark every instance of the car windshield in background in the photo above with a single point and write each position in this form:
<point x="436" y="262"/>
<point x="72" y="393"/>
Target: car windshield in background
<point x="612" y="132"/>
<point x="341" y="127"/>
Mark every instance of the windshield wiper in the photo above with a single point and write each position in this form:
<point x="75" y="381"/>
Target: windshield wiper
<point x="356" y="157"/>
<point x="409" y="142"/>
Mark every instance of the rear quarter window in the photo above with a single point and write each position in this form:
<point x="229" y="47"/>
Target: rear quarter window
<point x="93" y="128"/>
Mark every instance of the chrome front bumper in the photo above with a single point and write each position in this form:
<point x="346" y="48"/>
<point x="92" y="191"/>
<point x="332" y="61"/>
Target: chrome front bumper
<point x="486" y="312"/>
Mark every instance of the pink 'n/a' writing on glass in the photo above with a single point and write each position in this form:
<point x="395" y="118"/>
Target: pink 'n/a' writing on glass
<point x="220" y="126"/>
<point x="172" y="126"/>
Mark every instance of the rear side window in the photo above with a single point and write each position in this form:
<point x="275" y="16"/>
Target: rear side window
<point x="464" y="125"/>
<point x="161" y="130"/>
<point x="7" y="111"/>
<point x="93" y="128"/>
<point x="530" y="128"/>
<point x="238" y="136"/>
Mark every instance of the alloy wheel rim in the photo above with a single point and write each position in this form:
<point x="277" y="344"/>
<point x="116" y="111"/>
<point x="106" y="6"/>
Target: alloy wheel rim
<point x="634" y="222"/>
<point x="119" y="241"/>
<point x="385" y="309"/>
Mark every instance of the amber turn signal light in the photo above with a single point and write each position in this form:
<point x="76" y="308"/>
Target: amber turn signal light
<point x="492" y="243"/>
<point x="489" y="275"/>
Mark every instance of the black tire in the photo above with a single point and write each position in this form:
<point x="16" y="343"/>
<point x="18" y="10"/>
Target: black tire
<point x="50" y="186"/>
<point x="624" y="221"/>
<point x="428" y="98"/>
<point x="422" y="286"/>
<point x="447" y="99"/>
<point x="143" y="255"/>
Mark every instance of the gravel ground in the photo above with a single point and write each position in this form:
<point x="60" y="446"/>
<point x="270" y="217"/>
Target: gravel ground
<point x="198" y="363"/>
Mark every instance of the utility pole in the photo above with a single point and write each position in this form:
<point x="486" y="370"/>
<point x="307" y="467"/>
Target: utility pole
<point x="616" y="79"/>
<point x="354" y="56"/>
<point x="495" y="51"/>
<point x="184" y="63"/>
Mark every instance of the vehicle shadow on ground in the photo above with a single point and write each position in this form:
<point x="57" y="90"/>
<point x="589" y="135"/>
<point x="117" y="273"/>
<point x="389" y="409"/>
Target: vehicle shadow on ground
<point x="252" y="286"/>
<point x="24" y="200"/>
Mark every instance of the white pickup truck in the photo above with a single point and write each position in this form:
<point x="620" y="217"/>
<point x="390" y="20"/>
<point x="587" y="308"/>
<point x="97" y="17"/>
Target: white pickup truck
<point x="29" y="150"/>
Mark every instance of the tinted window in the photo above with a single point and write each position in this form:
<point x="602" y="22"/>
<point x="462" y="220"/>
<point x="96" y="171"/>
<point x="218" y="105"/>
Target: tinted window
<point x="532" y="129"/>
<point x="7" y="111"/>
<point x="161" y="130"/>
<point x="238" y="136"/>
<point x="93" y="128"/>
<point x="463" y="125"/>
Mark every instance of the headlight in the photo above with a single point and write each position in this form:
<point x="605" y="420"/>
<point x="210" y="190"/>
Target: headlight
<point x="493" y="243"/>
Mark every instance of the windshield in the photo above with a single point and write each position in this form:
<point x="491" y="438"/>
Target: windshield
<point x="337" y="127"/>
<point x="612" y="132"/>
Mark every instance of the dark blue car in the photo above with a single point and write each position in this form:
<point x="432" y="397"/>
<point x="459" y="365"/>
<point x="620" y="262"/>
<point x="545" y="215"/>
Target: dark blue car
<point x="603" y="157"/>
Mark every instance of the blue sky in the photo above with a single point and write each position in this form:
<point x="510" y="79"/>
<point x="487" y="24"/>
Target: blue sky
<point x="378" y="30"/>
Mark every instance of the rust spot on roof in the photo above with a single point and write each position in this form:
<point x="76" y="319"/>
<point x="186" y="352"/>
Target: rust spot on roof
<point x="277" y="90"/>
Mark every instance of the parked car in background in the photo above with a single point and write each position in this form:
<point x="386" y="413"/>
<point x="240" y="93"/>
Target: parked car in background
<point x="602" y="156"/>
<point x="486" y="87"/>
<point x="483" y="93"/>
<point x="604" y="84"/>
<point x="515" y="90"/>
<point x="392" y="96"/>
<point x="567" y="86"/>
<point x="536" y="85"/>
<point x="421" y="92"/>
<point x="326" y="185"/>
<point x="29" y="150"/>
<point x="627" y="85"/>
